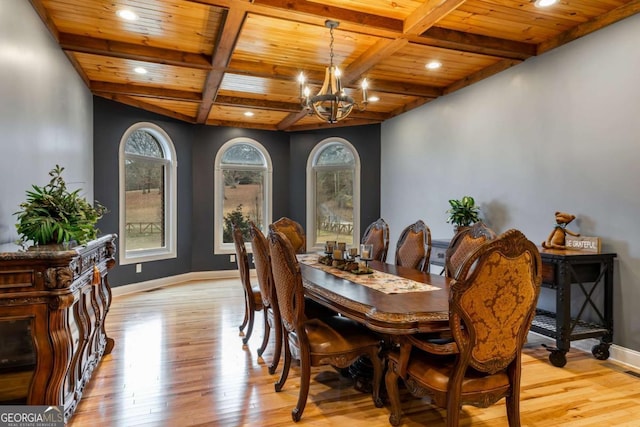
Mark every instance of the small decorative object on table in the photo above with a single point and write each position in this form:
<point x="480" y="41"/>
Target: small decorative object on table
<point x="463" y="212"/>
<point x="556" y="239"/>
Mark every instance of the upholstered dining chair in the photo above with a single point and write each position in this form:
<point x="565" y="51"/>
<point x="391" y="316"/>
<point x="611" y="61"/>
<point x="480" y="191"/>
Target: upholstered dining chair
<point x="335" y="340"/>
<point x="492" y="303"/>
<point x="414" y="246"/>
<point x="252" y="296"/>
<point x="294" y="232"/>
<point x="377" y="234"/>
<point x="463" y="243"/>
<point x="262" y="262"/>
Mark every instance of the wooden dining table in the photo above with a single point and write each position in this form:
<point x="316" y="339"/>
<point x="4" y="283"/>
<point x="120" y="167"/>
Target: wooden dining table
<point x="401" y="313"/>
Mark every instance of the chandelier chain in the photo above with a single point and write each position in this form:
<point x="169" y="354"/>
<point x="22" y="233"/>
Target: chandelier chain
<point x="331" y="47"/>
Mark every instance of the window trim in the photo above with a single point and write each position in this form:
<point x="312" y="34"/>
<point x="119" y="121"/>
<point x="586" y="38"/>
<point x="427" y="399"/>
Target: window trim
<point x="219" y="247"/>
<point x="171" y="197"/>
<point x="311" y="187"/>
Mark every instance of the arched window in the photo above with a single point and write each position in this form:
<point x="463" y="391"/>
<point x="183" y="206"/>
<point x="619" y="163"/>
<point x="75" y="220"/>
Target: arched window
<point x="148" y="199"/>
<point x="333" y="193"/>
<point x="243" y="175"/>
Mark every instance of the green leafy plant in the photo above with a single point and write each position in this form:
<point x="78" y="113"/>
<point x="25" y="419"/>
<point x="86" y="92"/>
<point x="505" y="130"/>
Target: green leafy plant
<point x="240" y="220"/>
<point x="52" y="214"/>
<point x="463" y="212"/>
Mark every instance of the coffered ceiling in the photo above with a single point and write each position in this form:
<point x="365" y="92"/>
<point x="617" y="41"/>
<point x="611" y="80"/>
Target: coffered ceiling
<point x="212" y="61"/>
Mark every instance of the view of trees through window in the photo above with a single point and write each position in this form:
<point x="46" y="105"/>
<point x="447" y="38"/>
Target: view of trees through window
<point x="243" y="171"/>
<point x="144" y="192"/>
<point x="334" y="171"/>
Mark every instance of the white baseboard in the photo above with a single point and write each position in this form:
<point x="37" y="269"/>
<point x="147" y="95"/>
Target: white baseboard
<point x="173" y="280"/>
<point x="617" y="353"/>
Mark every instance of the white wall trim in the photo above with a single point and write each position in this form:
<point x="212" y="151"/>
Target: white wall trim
<point x="175" y="280"/>
<point x="618" y="354"/>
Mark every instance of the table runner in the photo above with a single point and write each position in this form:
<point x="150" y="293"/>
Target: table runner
<point x="383" y="282"/>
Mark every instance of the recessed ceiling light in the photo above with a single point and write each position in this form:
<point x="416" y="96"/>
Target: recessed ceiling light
<point x="140" y="70"/>
<point x="545" y="3"/>
<point x="248" y="113"/>
<point x="127" y="14"/>
<point x="434" y="65"/>
<point x="374" y="99"/>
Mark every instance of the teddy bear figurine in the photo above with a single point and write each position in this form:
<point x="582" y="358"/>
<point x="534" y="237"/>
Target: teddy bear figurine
<point x="556" y="239"/>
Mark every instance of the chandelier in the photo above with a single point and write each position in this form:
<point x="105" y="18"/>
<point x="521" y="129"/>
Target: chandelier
<point x="331" y="104"/>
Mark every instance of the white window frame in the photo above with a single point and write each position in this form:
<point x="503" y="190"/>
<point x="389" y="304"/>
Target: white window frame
<point x="311" y="190"/>
<point x="228" y="248"/>
<point x="170" y="199"/>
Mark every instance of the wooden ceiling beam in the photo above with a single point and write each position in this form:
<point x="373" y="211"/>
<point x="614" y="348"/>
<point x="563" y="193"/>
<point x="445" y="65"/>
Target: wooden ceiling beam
<point x="125" y="99"/>
<point x="263" y="104"/>
<point x="236" y="124"/>
<point x="405" y="88"/>
<point x="226" y="42"/>
<point x="144" y="91"/>
<point x="380" y="50"/>
<point x="342" y="123"/>
<point x="474" y="43"/>
<point x="336" y="13"/>
<point x="77" y="43"/>
<point x="481" y="75"/>
<point x="428" y="14"/>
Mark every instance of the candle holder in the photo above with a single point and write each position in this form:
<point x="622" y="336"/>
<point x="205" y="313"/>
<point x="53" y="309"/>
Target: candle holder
<point x="366" y="253"/>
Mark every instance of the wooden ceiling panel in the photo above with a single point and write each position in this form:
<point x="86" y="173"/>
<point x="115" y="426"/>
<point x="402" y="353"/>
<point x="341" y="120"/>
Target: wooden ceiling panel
<point x="294" y="44"/>
<point x="227" y="114"/>
<point x="515" y="20"/>
<point x="209" y="61"/>
<point x="409" y="64"/>
<point x="116" y="70"/>
<point x="169" y="24"/>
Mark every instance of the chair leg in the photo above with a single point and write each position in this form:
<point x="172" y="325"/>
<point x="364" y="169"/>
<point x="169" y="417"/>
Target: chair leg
<point x="391" y="382"/>
<point x="267" y="330"/>
<point x="285" y="367"/>
<point x="453" y="410"/>
<point x="246" y="314"/>
<point x="305" y="379"/>
<point x="277" y="330"/>
<point x="513" y="411"/>
<point x="377" y="377"/>
<point x="252" y="314"/>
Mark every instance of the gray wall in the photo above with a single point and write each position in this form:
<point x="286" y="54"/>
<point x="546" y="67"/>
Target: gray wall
<point x="557" y="132"/>
<point x="45" y="113"/>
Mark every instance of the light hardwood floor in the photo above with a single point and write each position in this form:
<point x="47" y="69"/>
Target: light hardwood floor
<point x="178" y="361"/>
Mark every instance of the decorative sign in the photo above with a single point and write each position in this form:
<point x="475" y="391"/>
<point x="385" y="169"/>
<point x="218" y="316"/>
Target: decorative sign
<point x="582" y="243"/>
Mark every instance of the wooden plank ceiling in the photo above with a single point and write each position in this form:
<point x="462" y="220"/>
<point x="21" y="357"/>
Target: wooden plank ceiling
<point x="212" y="61"/>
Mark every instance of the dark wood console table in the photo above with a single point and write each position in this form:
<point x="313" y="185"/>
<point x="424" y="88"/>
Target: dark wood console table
<point x="53" y="305"/>
<point x="568" y="272"/>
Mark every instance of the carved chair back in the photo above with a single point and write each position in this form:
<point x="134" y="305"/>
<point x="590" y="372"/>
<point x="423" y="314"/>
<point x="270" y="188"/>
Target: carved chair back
<point x="287" y="281"/>
<point x="252" y="297"/>
<point x="377" y="234"/>
<point x="493" y="300"/>
<point x="262" y="262"/>
<point x="414" y="246"/>
<point x="463" y="243"/>
<point x="294" y="232"/>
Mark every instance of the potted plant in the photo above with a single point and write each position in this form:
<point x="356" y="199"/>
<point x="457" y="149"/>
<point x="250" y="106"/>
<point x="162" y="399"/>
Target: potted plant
<point x="463" y="212"/>
<point x="52" y="214"/>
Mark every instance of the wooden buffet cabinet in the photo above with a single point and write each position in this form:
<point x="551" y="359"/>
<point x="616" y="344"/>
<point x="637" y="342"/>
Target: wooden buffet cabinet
<point x="53" y="306"/>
